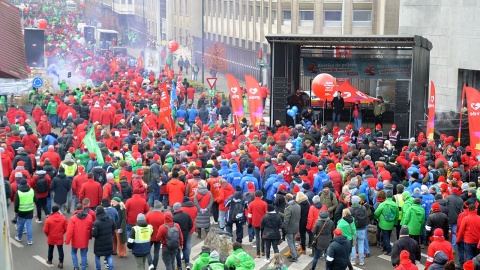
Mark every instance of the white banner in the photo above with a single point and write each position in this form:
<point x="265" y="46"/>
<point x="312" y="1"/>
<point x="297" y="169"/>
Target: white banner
<point x="152" y="61"/>
<point x="15" y="86"/>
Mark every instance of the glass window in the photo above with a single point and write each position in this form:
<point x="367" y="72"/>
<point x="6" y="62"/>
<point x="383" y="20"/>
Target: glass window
<point x="244" y="12"/>
<point x="237" y="6"/>
<point x="186" y="7"/>
<point x="362" y="14"/>
<point x="225" y="9"/>
<point x="287" y="17"/>
<point x="250" y="11"/>
<point x="274" y="16"/>
<point x="174" y="6"/>
<point x="214" y="7"/>
<point x="231" y="9"/>
<point x="332" y="14"/>
<point x="306" y="17"/>
<point x="180" y="7"/>
<point x="258" y="13"/>
<point x="265" y="14"/>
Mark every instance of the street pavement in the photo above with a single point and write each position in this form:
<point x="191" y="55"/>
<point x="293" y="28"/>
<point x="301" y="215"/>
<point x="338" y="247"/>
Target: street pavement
<point x="34" y="256"/>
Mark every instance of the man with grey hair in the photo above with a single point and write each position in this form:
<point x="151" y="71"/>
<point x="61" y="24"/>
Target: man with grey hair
<point x="186" y="226"/>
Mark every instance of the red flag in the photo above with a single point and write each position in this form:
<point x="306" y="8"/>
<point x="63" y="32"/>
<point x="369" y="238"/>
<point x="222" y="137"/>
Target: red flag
<point x="461" y="108"/>
<point x="431" y="112"/>
<point x="238" y="129"/>
<point x="235" y="96"/>
<point x="473" y="105"/>
<point x="114" y="64"/>
<point x="165" y="112"/>
<point x="166" y="70"/>
<point x="140" y="62"/>
<point x="255" y="104"/>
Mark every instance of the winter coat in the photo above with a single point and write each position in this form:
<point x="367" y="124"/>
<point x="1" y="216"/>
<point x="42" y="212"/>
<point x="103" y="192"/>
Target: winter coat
<point x="434" y="221"/>
<point x="338" y="211"/>
<point x="439" y="261"/>
<point x="270" y="226"/>
<point x="53" y="156"/>
<point x="27" y="161"/>
<point x="439" y="243"/>
<point x="344" y="224"/>
<point x="240" y="260"/>
<point x="162" y="231"/>
<point x="313" y="213"/>
<point x="226" y="191"/>
<point x="326" y="235"/>
<point x="414" y="218"/>
<point x="176" y="191"/>
<point x="408" y="244"/>
<point x="330" y="201"/>
<point x="337" y="256"/>
<point x="470" y="228"/>
<point x="280" y="204"/>
<point x="122" y="223"/>
<point x="302" y="200"/>
<point x="185" y="221"/>
<point x="191" y="210"/>
<point x="156" y="219"/>
<point x="127" y="191"/>
<point x="256" y="211"/>
<point x="55" y="228"/>
<point x="292" y="217"/>
<point x="93" y="191"/>
<point x="103" y="230"/>
<point x="380" y="214"/>
<point x="135" y="206"/>
<point x="455" y="207"/>
<point x="203" y="200"/>
<point x="79" y="230"/>
<point x="60" y="186"/>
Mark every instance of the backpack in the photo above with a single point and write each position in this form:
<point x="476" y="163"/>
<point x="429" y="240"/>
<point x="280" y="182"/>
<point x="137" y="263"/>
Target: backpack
<point x="215" y="101"/>
<point x="371" y="195"/>
<point x="173" y="237"/>
<point x="41" y="185"/>
<point x="436" y="174"/>
<point x="389" y="214"/>
<point x="238" y="210"/>
<point x="214" y="266"/>
<point x="116" y="192"/>
<point x="360" y="215"/>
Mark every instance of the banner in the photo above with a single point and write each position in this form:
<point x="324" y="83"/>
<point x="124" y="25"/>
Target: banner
<point x="140" y="62"/>
<point x="15" y="86"/>
<point x="461" y="110"/>
<point x="165" y="113"/>
<point x="473" y="106"/>
<point x="431" y="113"/>
<point x="91" y="143"/>
<point x="152" y="61"/>
<point x="235" y="96"/>
<point x="359" y="68"/>
<point x="255" y="103"/>
<point x="237" y="129"/>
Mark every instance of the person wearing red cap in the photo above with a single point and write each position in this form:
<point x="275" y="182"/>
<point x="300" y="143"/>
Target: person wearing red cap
<point x="139" y="186"/>
<point x="405" y="262"/>
<point x="470" y="265"/>
<point x="469" y="230"/>
<point x="468" y="160"/>
<point x="439" y="243"/>
<point x="393" y="135"/>
<point x="337" y="255"/>
<point x="436" y="220"/>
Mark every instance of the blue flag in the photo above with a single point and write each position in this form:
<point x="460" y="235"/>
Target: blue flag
<point x="173" y="98"/>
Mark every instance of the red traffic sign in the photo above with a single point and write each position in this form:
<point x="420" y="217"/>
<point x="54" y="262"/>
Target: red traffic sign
<point x="211" y="82"/>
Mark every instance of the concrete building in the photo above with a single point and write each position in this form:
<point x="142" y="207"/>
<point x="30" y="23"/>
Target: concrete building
<point x="454" y="29"/>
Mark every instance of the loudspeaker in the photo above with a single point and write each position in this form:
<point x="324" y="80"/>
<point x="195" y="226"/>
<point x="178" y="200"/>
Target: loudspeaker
<point x="89" y="33"/>
<point x="34" y="40"/>
<point x="279" y="99"/>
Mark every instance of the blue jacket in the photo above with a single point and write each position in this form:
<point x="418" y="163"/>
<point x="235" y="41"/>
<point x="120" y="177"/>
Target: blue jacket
<point x="50" y="139"/>
<point x="235" y="177"/>
<point x="269" y="187"/>
<point x="113" y="213"/>
<point x="181" y="113"/>
<point x="427" y="201"/>
<point x="192" y="114"/>
<point x="412" y="186"/>
<point x="319" y="180"/>
<point x="246" y="179"/>
<point x="278" y="183"/>
<point x="224" y="170"/>
<point x="414" y="168"/>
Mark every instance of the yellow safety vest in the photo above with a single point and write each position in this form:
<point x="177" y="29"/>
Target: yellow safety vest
<point x="69" y="169"/>
<point x="399" y="201"/>
<point x="25" y="200"/>
<point x="143" y="234"/>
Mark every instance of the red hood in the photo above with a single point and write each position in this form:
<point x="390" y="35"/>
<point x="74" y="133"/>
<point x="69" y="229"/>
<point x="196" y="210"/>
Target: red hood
<point x="168" y="218"/>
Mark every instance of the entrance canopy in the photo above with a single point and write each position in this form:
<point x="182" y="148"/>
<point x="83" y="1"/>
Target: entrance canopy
<point x="352" y="94"/>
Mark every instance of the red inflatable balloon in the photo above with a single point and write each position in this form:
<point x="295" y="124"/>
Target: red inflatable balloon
<point x="42" y="24"/>
<point x="26" y="9"/>
<point x="172" y="46"/>
<point x="324" y="85"/>
<point x="82" y="5"/>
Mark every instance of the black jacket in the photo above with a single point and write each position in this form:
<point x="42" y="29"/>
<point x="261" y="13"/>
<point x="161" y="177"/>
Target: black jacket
<point x="27" y="160"/>
<point x="326" y="234"/>
<point x="375" y="153"/>
<point x="339" y="250"/>
<point x="60" y="186"/>
<point x="455" y="207"/>
<point x="29" y="214"/>
<point x="50" y="170"/>
<point x="203" y="115"/>
<point x="408" y="244"/>
<point x="103" y="230"/>
<point x="99" y="175"/>
<point x="338" y="104"/>
<point x="224" y="111"/>
<point x="85" y="111"/>
<point x="443" y="206"/>
<point x="127" y="191"/>
<point x="338" y="211"/>
<point x="434" y="221"/>
<point x="184" y="220"/>
<point x="304" y="207"/>
<point x="271" y="225"/>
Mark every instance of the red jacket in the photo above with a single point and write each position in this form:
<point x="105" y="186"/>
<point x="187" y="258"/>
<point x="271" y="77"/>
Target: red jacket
<point x="313" y="214"/>
<point x="31" y="142"/>
<point x="6" y="165"/>
<point x="162" y="231"/>
<point x="33" y="184"/>
<point x="256" y="210"/>
<point x="44" y="127"/>
<point x="135" y="206"/>
<point x="107" y="189"/>
<point x="336" y="178"/>
<point x="106" y="118"/>
<point x="55" y="228"/>
<point x="215" y="187"/>
<point x="95" y="114"/>
<point x="67" y="111"/>
<point x="37" y="115"/>
<point x="225" y="192"/>
<point x="53" y="156"/>
<point x="439" y="243"/>
<point x="79" y="230"/>
<point x="91" y="190"/>
<point x="192" y="211"/>
<point x="24" y="173"/>
<point x="78" y="181"/>
<point x="469" y="230"/>
<point x="156" y="219"/>
<point x="175" y="190"/>
<point x="285" y="169"/>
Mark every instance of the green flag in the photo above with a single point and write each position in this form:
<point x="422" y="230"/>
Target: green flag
<point x="91" y="142"/>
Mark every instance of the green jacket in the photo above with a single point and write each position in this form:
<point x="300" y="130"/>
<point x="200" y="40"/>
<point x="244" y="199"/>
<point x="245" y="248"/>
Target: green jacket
<point x="63" y="86"/>
<point x="382" y="210"/>
<point x="379" y="108"/>
<point x="216" y="264"/>
<point x="414" y="218"/>
<point x="345" y="227"/>
<point x="245" y="262"/>
<point x="201" y="261"/>
<point x="407" y="203"/>
<point x="84" y="158"/>
<point x="52" y="107"/>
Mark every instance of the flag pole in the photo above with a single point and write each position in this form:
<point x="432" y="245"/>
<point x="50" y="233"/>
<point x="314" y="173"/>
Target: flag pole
<point x="461" y="113"/>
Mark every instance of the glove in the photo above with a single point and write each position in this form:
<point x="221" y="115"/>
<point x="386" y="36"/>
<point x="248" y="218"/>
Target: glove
<point x="119" y="230"/>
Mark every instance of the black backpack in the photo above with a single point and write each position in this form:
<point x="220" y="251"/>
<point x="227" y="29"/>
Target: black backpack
<point x="116" y="192"/>
<point x="215" y="100"/>
<point x="238" y="210"/>
<point x="173" y="237"/>
<point x="360" y="215"/>
<point x="371" y="195"/>
<point x="41" y="185"/>
<point x="436" y="174"/>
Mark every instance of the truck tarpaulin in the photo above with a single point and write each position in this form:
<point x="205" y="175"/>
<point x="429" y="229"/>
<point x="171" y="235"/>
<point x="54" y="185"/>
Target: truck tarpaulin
<point x="15" y="86"/>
